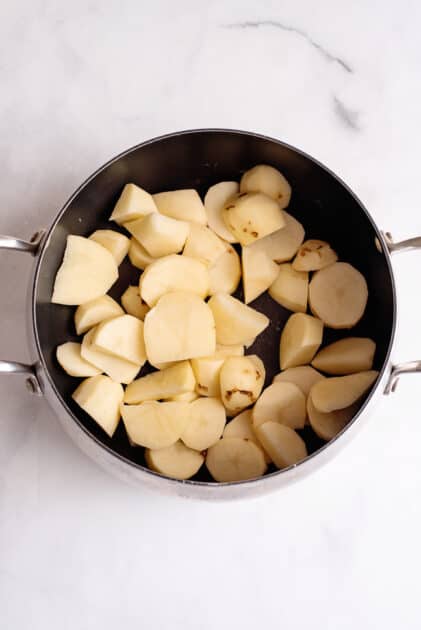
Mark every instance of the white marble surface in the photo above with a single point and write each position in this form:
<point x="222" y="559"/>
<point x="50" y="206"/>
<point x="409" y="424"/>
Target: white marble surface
<point x="80" y="81"/>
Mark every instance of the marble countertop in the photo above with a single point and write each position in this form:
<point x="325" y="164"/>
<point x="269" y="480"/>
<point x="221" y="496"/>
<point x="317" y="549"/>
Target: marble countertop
<point x="82" y="81"/>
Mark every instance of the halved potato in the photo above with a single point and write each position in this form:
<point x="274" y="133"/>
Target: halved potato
<point x="173" y="273"/>
<point x="159" y="235"/>
<point x="300" y="340"/>
<point x="134" y="203"/>
<point x="235" y="322"/>
<point x="259" y="272"/>
<point x="88" y="270"/>
<point x="119" y="370"/>
<point x="225" y="272"/>
<point x="176" y="461"/>
<point x="235" y="459"/>
<point x="251" y="216"/>
<point x="155" y="424"/>
<point x="133" y="303"/>
<point x="138" y="255"/>
<point x="180" y="326"/>
<point x="185" y="205"/>
<point x="327" y="425"/>
<point x="241" y="382"/>
<point x="304" y="376"/>
<point x="290" y="288"/>
<point x="283" y="444"/>
<point x="116" y="243"/>
<point x="101" y="398"/>
<point x="314" y="255"/>
<point x="204" y="244"/>
<point x="92" y="313"/>
<point x="340" y="392"/>
<point x="177" y="379"/>
<point x="206" y="371"/>
<point x="281" y="402"/>
<point x="338" y="295"/>
<point x="122" y="337"/>
<point x="283" y="244"/>
<point x="206" y="424"/>
<point x="347" y="356"/>
<point x="268" y="180"/>
<point x="215" y="199"/>
<point x="242" y="427"/>
<point x="70" y="359"/>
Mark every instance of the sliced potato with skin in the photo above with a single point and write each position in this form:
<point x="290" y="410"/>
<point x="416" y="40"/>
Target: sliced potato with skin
<point x="346" y="356"/>
<point x="251" y="216"/>
<point x="116" y="243"/>
<point x="281" y="402"/>
<point x="204" y="244"/>
<point x="206" y="424"/>
<point x="180" y="326"/>
<point x="328" y="425"/>
<point x="338" y="295"/>
<point x="339" y="392"/>
<point x="119" y="370"/>
<point x="215" y="199"/>
<point x="96" y="311"/>
<point x="225" y="273"/>
<point x="158" y="234"/>
<point x="100" y="397"/>
<point x="69" y="357"/>
<point x="88" y="271"/>
<point x="176" y="461"/>
<point x="283" y="444"/>
<point x="122" y="337"/>
<point x="133" y="203"/>
<point x="173" y="273"/>
<point x="241" y="382"/>
<point x="259" y="272"/>
<point x="268" y="180"/>
<point x="235" y="322"/>
<point x="185" y="205"/>
<point x="283" y="244"/>
<point x="300" y="340"/>
<point x="304" y="376"/>
<point x="290" y="288"/>
<point x="235" y="459"/>
<point x="155" y="424"/>
<point x="314" y="255"/>
<point x="177" y="379"/>
<point x="138" y="255"/>
<point x="242" y="427"/>
<point x="133" y="303"/>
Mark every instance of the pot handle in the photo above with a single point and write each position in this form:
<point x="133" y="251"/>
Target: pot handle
<point x="12" y="367"/>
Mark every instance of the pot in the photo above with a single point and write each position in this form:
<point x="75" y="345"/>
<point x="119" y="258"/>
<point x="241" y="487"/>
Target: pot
<point x="197" y="159"/>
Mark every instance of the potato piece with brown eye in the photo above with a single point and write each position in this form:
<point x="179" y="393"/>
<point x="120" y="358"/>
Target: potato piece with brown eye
<point x="159" y="235"/>
<point x="281" y="402"/>
<point x="184" y="205"/>
<point x="100" y="397"/>
<point x="116" y="243"/>
<point x="259" y="272"/>
<point x="206" y="424"/>
<point x="133" y="203"/>
<point x="215" y="200"/>
<point x="339" y="392"/>
<point x="173" y="273"/>
<point x="133" y="303"/>
<point x="300" y="340"/>
<point x="328" y="425"/>
<point x="138" y="255"/>
<point x="225" y="272"/>
<point x="235" y="322"/>
<point x="235" y="459"/>
<point x="206" y="371"/>
<point x="346" y="356"/>
<point x="314" y="255"/>
<point x="283" y="444"/>
<point x="251" y="216"/>
<point x="241" y="381"/>
<point x="290" y="288"/>
<point x="268" y="180"/>
<point x="176" y="461"/>
<point x="283" y="244"/>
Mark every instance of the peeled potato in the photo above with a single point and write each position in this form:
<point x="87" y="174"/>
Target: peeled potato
<point x="236" y="350"/>
<point x="173" y="273"/>
<point x="283" y="244"/>
<point x="281" y="402"/>
<point x="155" y="424"/>
<point x="70" y="359"/>
<point x="304" y="376"/>
<point x="347" y="356"/>
<point x="242" y="427"/>
<point x="119" y="370"/>
<point x="259" y="272"/>
<point x="327" y="425"/>
<point x="176" y="461"/>
<point x="159" y="235"/>
<point x="235" y="459"/>
<point x="204" y="244"/>
<point x="88" y="270"/>
<point x="138" y="255"/>
<point x="290" y="288"/>
<point x="185" y="205"/>
<point x="180" y="326"/>
<point x="241" y="382"/>
<point x="206" y="424"/>
<point x="283" y="444"/>
<point x="134" y="203"/>
<point x="101" y="398"/>
<point x="300" y="340"/>
<point x="215" y="199"/>
<point x="206" y="371"/>
<point x="314" y="255"/>
<point x="235" y="322"/>
<point x="225" y="272"/>
<point x="250" y="216"/>
<point x="186" y="397"/>
<point x="341" y="391"/>
<point x="268" y="180"/>
<point x="177" y="379"/>
<point x="133" y="303"/>
<point x="92" y="313"/>
<point x="338" y="295"/>
<point x="122" y="337"/>
<point x="116" y="243"/>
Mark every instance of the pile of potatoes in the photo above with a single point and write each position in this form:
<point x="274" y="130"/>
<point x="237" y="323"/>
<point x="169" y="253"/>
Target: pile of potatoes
<point x="183" y="320"/>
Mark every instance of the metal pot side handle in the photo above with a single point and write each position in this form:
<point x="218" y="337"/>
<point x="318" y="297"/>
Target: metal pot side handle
<point x="12" y="367"/>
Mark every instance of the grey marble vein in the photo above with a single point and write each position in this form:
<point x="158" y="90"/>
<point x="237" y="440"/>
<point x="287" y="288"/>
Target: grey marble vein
<point x="297" y="31"/>
<point x="347" y="116"/>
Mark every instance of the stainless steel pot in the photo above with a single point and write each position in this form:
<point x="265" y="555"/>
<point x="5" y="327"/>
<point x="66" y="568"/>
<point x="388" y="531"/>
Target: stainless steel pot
<point x="198" y="159"/>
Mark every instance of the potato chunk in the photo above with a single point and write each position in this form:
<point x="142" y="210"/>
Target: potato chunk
<point x="70" y="359"/>
<point x="206" y="371"/>
<point x="204" y="244"/>
<point x="281" y="402"/>
<point x="242" y="427"/>
<point x="159" y="235"/>
<point x="290" y="288"/>
<point x="101" y="398"/>
<point x="314" y="255"/>
<point x="283" y="244"/>
<point x="304" y="376"/>
<point x="259" y="272"/>
<point x="340" y="392"/>
<point x="251" y="216"/>
<point x="268" y="180"/>
<point x="185" y="205"/>
<point x="328" y="425"/>
<point x="133" y="203"/>
<point x="116" y="243"/>
<point x="96" y="311"/>
<point x="225" y="273"/>
<point x="241" y="382"/>
<point x="235" y="459"/>
<point x="300" y="340"/>
<point x="206" y="424"/>
<point x="122" y="337"/>
<point x="235" y="322"/>
<point x="119" y="370"/>
<point x="174" y="380"/>
<point x="283" y="444"/>
<point x="133" y="303"/>
<point x="138" y="255"/>
<point x="347" y="356"/>
<point x="155" y="424"/>
<point x="215" y="199"/>
<point x="176" y="461"/>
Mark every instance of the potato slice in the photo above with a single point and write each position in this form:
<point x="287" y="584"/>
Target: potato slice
<point x="340" y="392"/>
<point x="259" y="272"/>
<point x="328" y="425"/>
<point x="176" y="461"/>
<point x="300" y="340"/>
<point x="250" y="216"/>
<point x="206" y="424"/>
<point x="185" y="205"/>
<point x="155" y="424"/>
<point x="235" y="322"/>
<point x="314" y="255"/>
<point x="290" y="288"/>
<point x="206" y="371"/>
<point x="133" y="303"/>
<point x="283" y="444"/>
<point x="88" y="270"/>
<point x="283" y="244"/>
<point x="338" y="295"/>
<point x="186" y="397"/>
<point x="235" y="459"/>
<point x="215" y="199"/>
<point x="181" y="326"/>
<point x="159" y="235"/>
<point x="204" y="244"/>
<point x="225" y="273"/>
<point x="96" y="311"/>
<point x="268" y="180"/>
<point x="173" y="273"/>
<point x="101" y="398"/>
<point x="122" y="337"/>
<point x="134" y="203"/>
<point x="119" y="370"/>
<point x="241" y="382"/>
<point x="116" y="243"/>
<point x="281" y="402"/>
<point x="242" y="427"/>
<point x="177" y="379"/>
<point x="304" y="376"/>
<point x="69" y="357"/>
<point x="138" y="255"/>
<point x="347" y="356"/>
